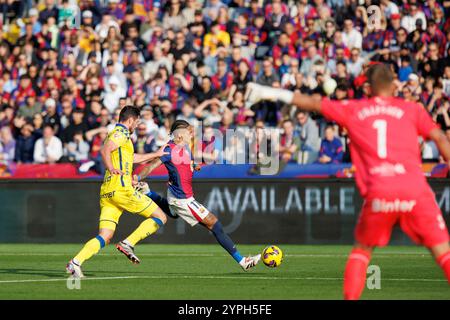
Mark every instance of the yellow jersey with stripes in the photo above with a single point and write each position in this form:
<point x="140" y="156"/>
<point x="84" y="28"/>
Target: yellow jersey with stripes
<point x="122" y="159"/>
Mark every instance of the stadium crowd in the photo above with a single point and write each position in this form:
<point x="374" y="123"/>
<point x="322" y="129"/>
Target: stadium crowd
<point x="67" y="67"/>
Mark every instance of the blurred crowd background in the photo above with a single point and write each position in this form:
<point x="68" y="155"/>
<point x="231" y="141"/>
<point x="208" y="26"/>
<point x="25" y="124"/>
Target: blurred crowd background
<point x="68" y="67"/>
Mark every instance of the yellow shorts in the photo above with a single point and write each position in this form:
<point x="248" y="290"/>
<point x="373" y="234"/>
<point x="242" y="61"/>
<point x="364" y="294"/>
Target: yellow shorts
<point x="113" y="203"/>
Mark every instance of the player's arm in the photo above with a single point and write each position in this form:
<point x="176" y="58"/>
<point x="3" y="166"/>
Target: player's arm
<point x="147" y="157"/>
<point x="309" y="103"/>
<point x="155" y="163"/>
<point x="106" y="151"/>
<point x="442" y="143"/>
<point x="332" y="110"/>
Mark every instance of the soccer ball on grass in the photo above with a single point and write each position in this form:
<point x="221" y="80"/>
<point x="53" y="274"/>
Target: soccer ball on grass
<point x="272" y="256"/>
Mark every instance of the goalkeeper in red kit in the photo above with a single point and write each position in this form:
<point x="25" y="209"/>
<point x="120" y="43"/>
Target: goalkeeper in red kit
<point x="384" y="132"/>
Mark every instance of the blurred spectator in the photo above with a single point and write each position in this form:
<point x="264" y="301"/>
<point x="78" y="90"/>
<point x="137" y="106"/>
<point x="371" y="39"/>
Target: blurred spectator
<point x="48" y="149"/>
<point x="351" y="37"/>
<point x="145" y="143"/>
<point x="405" y="70"/>
<point x="211" y="112"/>
<point x="25" y="145"/>
<point x="267" y="76"/>
<point x="312" y="57"/>
<point x="331" y="150"/>
<point x="173" y="17"/>
<point x="192" y="60"/>
<point x="50" y="115"/>
<point x="113" y="93"/>
<point x="223" y="79"/>
<point x="242" y="114"/>
<point x="355" y="63"/>
<point x="77" y="149"/>
<point x="289" y="143"/>
<point x="308" y="131"/>
<point x="77" y="124"/>
<point x="215" y="38"/>
<point x="38" y="124"/>
<point x="410" y="20"/>
<point x="207" y="90"/>
<point x="28" y="109"/>
<point x="158" y="60"/>
<point x="187" y="114"/>
<point x="7" y="145"/>
<point x="147" y="118"/>
<point x="289" y="78"/>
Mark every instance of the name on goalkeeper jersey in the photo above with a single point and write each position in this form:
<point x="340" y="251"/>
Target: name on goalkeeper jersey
<point x="380" y="110"/>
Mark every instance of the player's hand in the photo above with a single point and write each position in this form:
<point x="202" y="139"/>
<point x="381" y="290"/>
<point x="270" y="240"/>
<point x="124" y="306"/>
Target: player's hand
<point x="161" y="151"/>
<point x="135" y="180"/>
<point x="116" y="172"/>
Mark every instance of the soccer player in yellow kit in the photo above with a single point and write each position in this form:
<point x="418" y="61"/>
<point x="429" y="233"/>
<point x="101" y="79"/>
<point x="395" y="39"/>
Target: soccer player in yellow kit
<point x="117" y="194"/>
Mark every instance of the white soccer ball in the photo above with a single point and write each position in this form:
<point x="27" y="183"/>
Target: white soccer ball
<point x="329" y="85"/>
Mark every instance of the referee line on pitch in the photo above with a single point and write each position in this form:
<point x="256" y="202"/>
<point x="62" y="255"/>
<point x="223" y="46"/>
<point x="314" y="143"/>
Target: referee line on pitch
<point x="210" y="277"/>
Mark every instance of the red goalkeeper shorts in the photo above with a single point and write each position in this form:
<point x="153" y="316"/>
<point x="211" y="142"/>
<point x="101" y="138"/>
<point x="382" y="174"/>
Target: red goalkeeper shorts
<point x="421" y="219"/>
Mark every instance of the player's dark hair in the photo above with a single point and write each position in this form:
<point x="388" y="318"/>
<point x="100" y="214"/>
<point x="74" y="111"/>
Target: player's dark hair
<point x="379" y="77"/>
<point x="128" y="112"/>
<point x="179" y="124"/>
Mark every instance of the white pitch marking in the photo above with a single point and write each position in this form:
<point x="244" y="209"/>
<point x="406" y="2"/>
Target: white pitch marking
<point x="319" y="255"/>
<point x="210" y="277"/>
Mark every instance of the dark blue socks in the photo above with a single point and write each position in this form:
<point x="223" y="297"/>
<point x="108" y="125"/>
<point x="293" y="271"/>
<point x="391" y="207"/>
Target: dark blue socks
<point x="225" y="241"/>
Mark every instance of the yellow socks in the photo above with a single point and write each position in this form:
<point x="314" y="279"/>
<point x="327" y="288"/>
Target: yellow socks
<point x="90" y="248"/>
<point x="146" y="228"/>
<point x="93" y="246"/>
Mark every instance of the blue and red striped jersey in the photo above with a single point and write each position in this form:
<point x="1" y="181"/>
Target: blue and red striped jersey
<point x="179" y="164"/>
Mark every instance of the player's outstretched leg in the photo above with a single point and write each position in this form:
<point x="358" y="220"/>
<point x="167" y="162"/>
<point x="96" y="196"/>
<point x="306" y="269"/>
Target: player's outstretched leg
<point x="162" y="202"/>
<point x="145" y="229"/>
<point x="91" y="248"/>
<point x="214" y="225"/>
<point x="355" y="271"/>
<point x="441" y="253"/>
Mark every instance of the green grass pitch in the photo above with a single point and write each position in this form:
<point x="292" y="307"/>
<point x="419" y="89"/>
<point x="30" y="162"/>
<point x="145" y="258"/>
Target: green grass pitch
<point x="207" y="272"/>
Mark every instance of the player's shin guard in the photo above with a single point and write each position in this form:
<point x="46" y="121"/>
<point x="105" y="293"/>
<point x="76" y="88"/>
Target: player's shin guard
<point x="355" y="274"/>
<point x="225" y="241"/>
<point x="444" y="263"/>
<point x="146" y="228"/>
<point x="91" y="247"/>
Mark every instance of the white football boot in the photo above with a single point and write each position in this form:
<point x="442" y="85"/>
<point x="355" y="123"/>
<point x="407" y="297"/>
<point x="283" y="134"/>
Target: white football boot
<point x="249" y="262"/>
<point x="128" y="251"/>
<point x="74" y="269"/>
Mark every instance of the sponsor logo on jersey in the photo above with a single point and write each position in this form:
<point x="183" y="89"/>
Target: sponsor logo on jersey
<point x="107" y="195"/>
<point x="397" y="205"/>
<point x="388" y="169"/>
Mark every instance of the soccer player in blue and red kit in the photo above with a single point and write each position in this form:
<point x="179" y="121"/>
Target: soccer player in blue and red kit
<point x="180" y="197"/>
